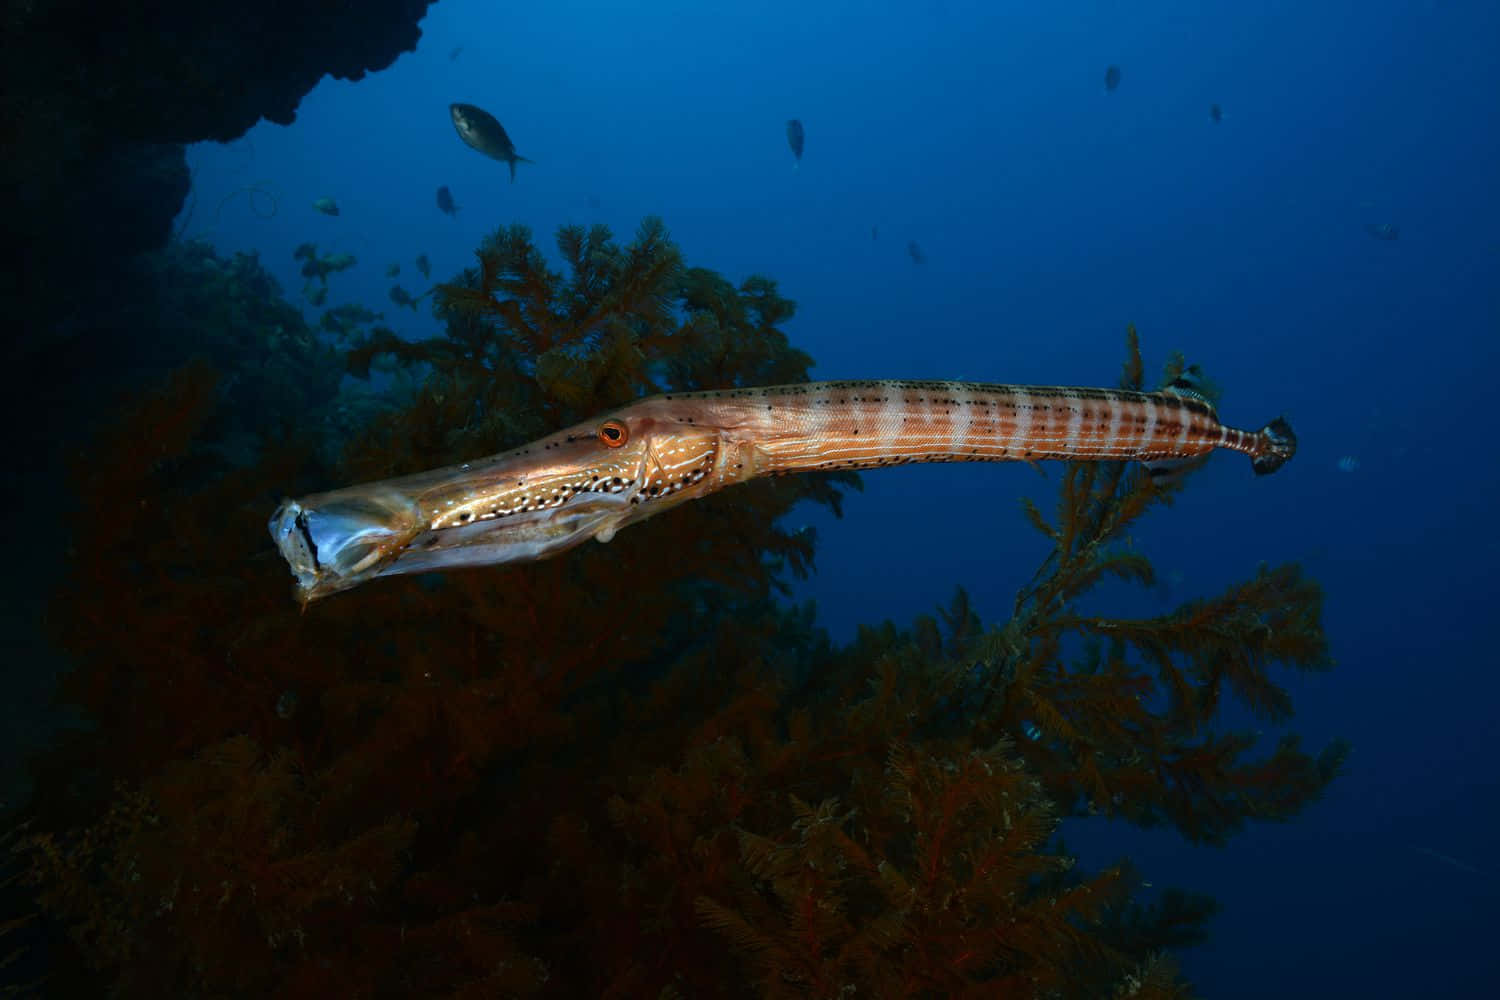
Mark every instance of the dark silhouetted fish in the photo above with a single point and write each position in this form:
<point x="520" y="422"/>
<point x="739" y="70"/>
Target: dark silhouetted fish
<point x="796" y="137"/>
<point x="1383" y="230"/>
<point x="1216" y="113"/>
<point x="402" y="297"/>
<point x="327" y="206"/>
<point x="445" y="201"/>
<point x="1111" y="78"/>
<point x="874" y="232"/>
<point x="392" y="270"/>
<point x="915" y="252"/>
<point x="424" y="265"/>
<point x="482" y="131"/>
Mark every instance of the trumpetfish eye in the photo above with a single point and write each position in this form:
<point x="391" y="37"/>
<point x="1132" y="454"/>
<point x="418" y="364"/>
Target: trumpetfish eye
<point x="612" y="433"/>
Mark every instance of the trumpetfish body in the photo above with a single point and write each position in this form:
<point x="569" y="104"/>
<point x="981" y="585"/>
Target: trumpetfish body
<point x="591" y="480"/>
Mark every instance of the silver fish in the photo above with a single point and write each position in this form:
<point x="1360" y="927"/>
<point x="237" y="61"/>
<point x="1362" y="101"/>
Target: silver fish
<point x="482" y="131"/>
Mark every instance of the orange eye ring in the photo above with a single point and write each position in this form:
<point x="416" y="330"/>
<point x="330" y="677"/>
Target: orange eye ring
<point x="612" y="434"/>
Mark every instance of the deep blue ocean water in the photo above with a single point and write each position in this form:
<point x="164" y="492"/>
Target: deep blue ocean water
<point x="1051" y="213"/>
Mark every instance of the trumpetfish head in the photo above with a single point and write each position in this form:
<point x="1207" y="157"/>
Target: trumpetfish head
<point x="537" y="501"/>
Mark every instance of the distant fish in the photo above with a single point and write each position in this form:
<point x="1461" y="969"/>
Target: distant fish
<point x="392" y="270"/>
<point x="319" y="266"/>
<point x="402" y="297"/>
<point x="1448" y="860"/>
<point x="445" y="201"/>
<point x="1111" y="78"/>
<point x="796" y="137"/>
<point x="1383" y="230"/>
<point x="1348" y="463"/>
<point x="424" y="265"/>
<point x="1169" y="584"/>
<point x="455" y="53"/>
<point x="874" y="233"/>
<point x="480" y="130"/>
<point x="1216" y="113"/>
<point x="915" y="252"/>
<point x="327" y="206"/>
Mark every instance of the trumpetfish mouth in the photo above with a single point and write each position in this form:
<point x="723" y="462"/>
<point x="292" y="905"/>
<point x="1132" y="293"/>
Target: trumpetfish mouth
<point x="340" y="543"/>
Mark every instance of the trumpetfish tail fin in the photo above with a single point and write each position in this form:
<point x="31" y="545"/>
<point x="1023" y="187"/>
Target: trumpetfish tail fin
<point x="1279" y="443"/>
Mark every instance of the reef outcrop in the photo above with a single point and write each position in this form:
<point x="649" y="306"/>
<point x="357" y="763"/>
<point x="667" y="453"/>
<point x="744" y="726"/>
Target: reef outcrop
<point x="100" y="97"/>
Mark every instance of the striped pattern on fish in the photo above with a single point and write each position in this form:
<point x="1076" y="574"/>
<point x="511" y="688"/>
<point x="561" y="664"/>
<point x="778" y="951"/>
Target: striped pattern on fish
<point x="868" y="424"/>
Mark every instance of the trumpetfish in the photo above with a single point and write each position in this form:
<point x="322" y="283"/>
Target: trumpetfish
<point x="591" y="480"/>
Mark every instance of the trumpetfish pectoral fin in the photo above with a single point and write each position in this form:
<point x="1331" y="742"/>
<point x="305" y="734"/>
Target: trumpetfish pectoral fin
<point x="1187" y="384"/>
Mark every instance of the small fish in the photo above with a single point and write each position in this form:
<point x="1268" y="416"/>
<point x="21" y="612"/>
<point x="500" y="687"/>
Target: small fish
<point x="327" y="206"/>
<point x="915" y="253"/>
<point x="1216" y="113"/>
<point x="1448" y="860"/>
<point x="445" y="202"/>
<point x="796" y="137"/>
<point x="1031" y="730"/>
<point x="319" y="266"/>
<point x="1111" y="78"/>
<point x="874" y="233"/>
<point x="1383" y="230"/>
<point x="1169" y="584"/>
<point x="402" y="297"/>
<point x="424" y="265"/>
<point x="1347" y="463"/>
<point x="392" y="270"/>
<point x="345" y="320"/>
<point x="457" y="49"/>
<point x="481" y="131"/>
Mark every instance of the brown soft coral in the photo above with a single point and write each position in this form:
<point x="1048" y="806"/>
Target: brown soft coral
<point x="457" y="784"/>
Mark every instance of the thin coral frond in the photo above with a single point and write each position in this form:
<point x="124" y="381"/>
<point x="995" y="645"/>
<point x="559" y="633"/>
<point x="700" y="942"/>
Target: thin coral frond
<point x="1133" y="377"/>
<point x="740" y="932"/>
<point x="1034" y="516"/>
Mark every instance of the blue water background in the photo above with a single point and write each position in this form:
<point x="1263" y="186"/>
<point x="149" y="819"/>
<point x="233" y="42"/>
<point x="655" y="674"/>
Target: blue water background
<point x="1052" y="213"/>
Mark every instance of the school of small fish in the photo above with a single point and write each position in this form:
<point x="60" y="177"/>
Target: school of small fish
<point x="481" y="131"/>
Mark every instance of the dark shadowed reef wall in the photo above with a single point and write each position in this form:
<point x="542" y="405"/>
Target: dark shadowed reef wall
<point x="96" y="102"/>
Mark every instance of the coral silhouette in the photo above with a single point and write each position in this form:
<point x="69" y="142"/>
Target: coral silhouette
<point x="456" y="784"/>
